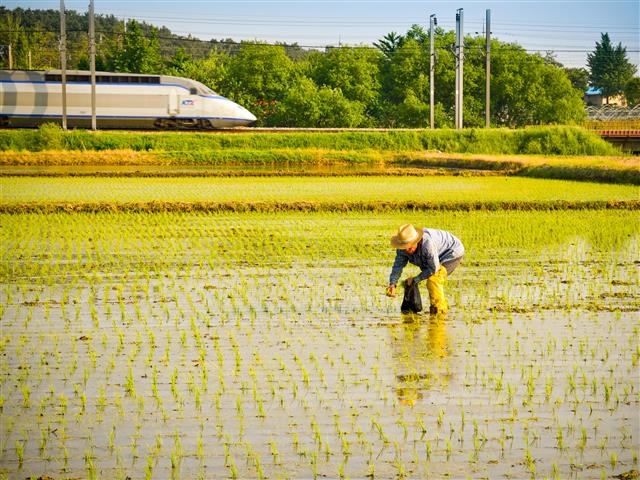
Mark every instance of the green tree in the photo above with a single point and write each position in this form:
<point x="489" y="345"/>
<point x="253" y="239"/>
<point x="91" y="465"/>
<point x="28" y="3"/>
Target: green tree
<point x="12" y="36"/>
<point x="389" y="44"/>
<point x="445" y="77"/>
<point x="560" y="103"/>
<point x="352" y="70"/>
<point x="551" y="59"/>
<point x="417" y="33"/>
<point x="135" y="53"/>
<point x="406" y="91"/>
<point x="579" y="78"/>
<point x="179" y="61"/>
<point x="632" y="92"/>
<point x="33" y="36"/>
<point x="526" y="90"/>
<point x="609" y="68"/>
<point x="259" y="76"/>
<point x="411" y="113"/>
<point x="308" y="105"/>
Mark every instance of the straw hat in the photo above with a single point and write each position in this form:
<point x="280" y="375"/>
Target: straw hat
<point x="406" y="237"/>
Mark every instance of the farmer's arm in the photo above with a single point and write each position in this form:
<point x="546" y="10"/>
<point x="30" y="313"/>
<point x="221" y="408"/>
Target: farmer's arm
<point x="399" y="263"/>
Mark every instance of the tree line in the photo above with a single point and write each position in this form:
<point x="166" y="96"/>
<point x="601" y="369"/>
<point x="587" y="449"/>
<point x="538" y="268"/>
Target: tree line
<point x="386" y="85"/>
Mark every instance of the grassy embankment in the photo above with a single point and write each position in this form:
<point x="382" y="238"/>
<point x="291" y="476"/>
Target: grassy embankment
<point x="543" y="152"/>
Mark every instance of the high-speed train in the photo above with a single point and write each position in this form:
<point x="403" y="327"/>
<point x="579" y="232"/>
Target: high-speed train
<point x="29" y="98"/>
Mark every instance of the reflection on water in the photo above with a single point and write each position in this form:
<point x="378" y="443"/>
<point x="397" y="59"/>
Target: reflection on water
<point x="420" y="350"/>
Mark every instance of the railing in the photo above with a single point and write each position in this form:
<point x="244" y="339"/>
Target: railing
<point x="612" y="118"/>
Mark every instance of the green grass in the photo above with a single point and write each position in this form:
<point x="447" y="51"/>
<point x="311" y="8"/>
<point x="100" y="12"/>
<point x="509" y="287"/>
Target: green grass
<point x="550" y="140"/>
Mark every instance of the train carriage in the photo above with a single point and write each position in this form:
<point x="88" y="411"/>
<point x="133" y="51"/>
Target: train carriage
<point x="123" y="100"/>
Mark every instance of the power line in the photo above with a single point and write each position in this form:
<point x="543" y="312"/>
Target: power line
<point x="560" y="48"/>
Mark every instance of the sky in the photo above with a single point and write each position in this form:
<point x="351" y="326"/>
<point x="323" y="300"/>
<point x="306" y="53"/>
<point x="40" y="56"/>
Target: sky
<point x="569" y="29"/>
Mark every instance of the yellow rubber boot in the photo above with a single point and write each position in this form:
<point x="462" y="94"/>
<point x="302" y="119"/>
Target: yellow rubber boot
<point x="435" y="286"/>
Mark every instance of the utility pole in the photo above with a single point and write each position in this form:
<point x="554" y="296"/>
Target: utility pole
<point x="459" y="67"/>
<point x="92" y="57"/>
<point x="63" y="63"/>
<point x="433" y="21"/>
<point x="487" y="110"/>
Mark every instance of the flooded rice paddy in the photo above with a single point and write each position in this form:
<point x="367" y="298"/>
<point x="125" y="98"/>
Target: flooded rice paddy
<point x="262" y="346"/>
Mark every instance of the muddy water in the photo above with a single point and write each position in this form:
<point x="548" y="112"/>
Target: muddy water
<point x="129" y="367"/>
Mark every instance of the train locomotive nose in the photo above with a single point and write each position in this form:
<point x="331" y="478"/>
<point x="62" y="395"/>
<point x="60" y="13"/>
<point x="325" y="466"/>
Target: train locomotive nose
<point x="246" y="115"/>
<point x="225" y="113"/>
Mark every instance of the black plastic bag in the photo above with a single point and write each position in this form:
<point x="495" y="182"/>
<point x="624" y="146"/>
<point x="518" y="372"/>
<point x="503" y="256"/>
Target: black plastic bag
<point x="412" y="301"/>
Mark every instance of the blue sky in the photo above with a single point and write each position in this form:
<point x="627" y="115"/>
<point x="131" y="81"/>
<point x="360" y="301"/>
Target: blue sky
<point x="568" y="28"/>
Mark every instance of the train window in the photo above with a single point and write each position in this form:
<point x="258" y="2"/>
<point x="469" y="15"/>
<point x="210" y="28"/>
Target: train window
<point x="56" y="77"/>
<point x="202" y="89"/>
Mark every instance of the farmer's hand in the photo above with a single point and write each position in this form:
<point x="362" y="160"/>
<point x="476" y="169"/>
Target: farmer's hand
<point x="391" y="291"/>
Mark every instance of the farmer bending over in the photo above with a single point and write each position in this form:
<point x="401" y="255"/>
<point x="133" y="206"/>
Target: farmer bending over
<point x="436" y="252"/>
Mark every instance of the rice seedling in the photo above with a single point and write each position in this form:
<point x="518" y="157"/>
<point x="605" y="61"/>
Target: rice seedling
<point x="89" y="457"/>
<point x="19" y="446"/>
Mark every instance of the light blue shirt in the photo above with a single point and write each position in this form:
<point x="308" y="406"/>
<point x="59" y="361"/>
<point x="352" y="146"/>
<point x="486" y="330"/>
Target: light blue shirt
<point x="435" y="248"/>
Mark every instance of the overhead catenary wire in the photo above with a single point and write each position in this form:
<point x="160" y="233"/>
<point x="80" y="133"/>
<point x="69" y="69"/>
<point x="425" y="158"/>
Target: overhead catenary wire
<point x="228" y="41"/>
<point x="562" y="32"/>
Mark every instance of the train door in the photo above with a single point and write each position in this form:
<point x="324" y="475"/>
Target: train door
<point x="174" y="103"/>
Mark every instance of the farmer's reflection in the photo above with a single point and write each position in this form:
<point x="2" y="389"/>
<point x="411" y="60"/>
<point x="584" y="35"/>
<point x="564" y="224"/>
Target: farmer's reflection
<point x="421" y="351"/>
